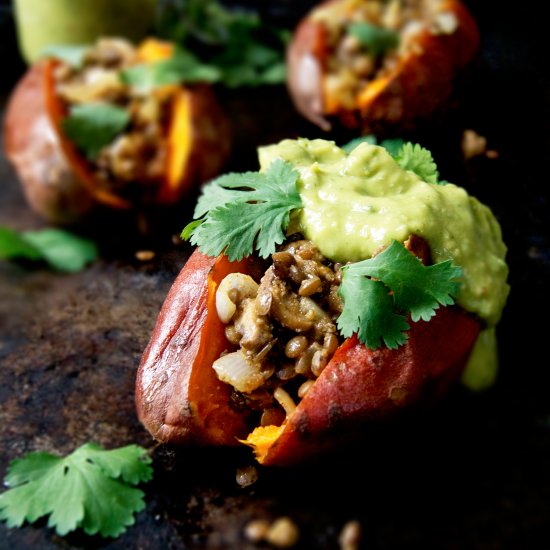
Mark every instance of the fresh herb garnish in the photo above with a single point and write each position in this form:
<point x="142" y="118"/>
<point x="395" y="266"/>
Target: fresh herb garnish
<point x="391" y="285"/>
<point x="244" y="50"/>
<point x="376" y="40"/>
<point x="72" y="55"/>
<point x="92" y="489"/>
<point x="94" y="125"/>
<point x="409" y="156"/>
<point x="245" y="212"/>
<point x="419" y="160"/>
<point x="62" y="250"/>
<point x="241" y="213"/>
<point x="181" y="67"/>
<point x="392" y="145"/>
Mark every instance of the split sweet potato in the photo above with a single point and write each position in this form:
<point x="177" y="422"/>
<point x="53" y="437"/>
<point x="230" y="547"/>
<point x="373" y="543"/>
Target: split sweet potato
<point x="59" y="181"/>
<point x="401" y="94"/>
<point x="178" y="396"/>
<point x="179" y="399"/>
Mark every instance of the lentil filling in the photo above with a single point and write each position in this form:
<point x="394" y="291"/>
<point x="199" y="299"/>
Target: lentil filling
<point x="137" y="156"/>
<point x="350" y="64"/>
<point x="284" y="328"/>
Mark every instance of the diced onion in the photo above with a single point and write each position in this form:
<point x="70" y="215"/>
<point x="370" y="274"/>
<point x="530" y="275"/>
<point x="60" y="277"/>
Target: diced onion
<point x="235" y="370"/>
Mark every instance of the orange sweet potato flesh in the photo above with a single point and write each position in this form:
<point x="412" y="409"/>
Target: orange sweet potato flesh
<point x="199" y="135"/>
<point x="180" y="400"/>
<point x="413" y="91"/>
<point x="59" y="182"/>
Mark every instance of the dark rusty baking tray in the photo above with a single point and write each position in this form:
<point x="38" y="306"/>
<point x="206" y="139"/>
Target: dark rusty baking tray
<point x="473" y="473"/>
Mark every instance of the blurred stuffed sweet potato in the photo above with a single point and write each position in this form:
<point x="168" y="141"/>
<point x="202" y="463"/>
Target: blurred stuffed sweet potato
<point x="82" y="134"/>
<point x="379" y="67"/>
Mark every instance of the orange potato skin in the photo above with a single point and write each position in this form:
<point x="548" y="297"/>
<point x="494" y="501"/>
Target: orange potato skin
<point x="56" y="178"/>
<point x="409" y="95"/>
<point x="358" y="386"/>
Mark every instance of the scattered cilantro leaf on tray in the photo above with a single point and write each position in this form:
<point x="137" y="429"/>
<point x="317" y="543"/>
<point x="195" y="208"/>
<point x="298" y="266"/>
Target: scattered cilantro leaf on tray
<point x="245" y="212"/>
<point x="92" y="489"/>
<point x="72" y="55"/>
<point x="391" y="284"/>
<point x="376" y="40"/>
<point x="94" y="125"/>
<point x="181" y="67"/>
<point x="14" y="245"/>
<point x="60" y="249"/>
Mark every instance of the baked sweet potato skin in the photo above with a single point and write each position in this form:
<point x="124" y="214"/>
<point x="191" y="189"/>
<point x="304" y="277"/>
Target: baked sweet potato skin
<point x="360" y="386"/>
<point x="59" y="183"/>
<point x="179" y="399"/>
<point x="404" y="98"/>
<point x="33" y="146"/>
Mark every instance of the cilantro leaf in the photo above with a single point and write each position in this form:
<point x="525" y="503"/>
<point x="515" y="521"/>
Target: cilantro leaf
<point x="352" y="144"/>
<point x="409" y="156"/>
<point x="181" y="67"/>
<point x="221" y="191"/>
<point x="94" y="125"/>
<point x="236" y="42"/>
<point x="91" y="488"/>
<point x="419" y="160"/>
<point x="372" y="317"/>
<point x="392" y="145"/>
<point x="377" y="40"/>
<point x="416" y="289"/>
<point x="245" y="212"/>
<point x="73" y="55"/>
<point x="62" y="250"/>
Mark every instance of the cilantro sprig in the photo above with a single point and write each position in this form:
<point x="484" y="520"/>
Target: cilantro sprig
<point x="240" y="213"/>
<point x="71" y="54"/>
<point x="392" y="285"/>
<point x="181" y="67"/>
<point x="235" y="42"/>
<point x="92" y="126"/>
<point x="376" y="40"/>
<point x="409" y="156"/>
<point x="92" y="489"/>
<point x="417" y="159"/>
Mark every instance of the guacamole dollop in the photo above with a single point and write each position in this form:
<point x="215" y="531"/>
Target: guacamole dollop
<point x="356" y="203"/>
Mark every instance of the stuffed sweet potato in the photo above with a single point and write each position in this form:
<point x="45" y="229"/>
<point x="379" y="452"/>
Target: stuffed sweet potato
<point x="294" y="329"/>
<point x="81" y="134"/>
<point x="379" y="67"/>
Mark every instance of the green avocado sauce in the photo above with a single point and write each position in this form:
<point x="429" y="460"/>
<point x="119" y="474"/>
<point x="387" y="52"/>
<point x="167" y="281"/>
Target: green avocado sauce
<point x="358" y="202"/>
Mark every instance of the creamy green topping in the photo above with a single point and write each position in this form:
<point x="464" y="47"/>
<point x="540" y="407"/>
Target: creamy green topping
<point x="354" y="204"/>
